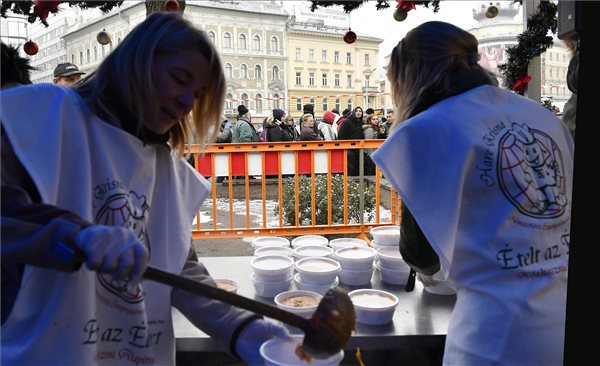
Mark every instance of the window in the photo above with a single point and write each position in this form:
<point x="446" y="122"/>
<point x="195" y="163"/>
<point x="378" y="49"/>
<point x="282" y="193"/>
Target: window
<point x="324" y="55"/>
<point x="298" y="104"/>
<point x="337" y="104"/>
<point x="350" y="104"/>
<point x="95" y="53"/>
<point x="257" y="72"/>
<point x="348" y="58"/>
<point x="324" y="79"/>
<point x="336" y="79"/>
<point x="228" y="102"/>
<point x="312" y="101"/>
<point x="242" y="42"/>
<point x="367" y="61"/>
<point x="311" y="78"/>
<point x="367" y="80"/>
<point x="244" y="100"/>
<point x="336" y="57"/>
<point x="275" y="75"/>
<point x="298" y="54"/>
<point x="87" y="55"/>
<point x="211" y="36"/>
<point x="311" y="55"/>
<point x="226" y="40"/>
<point x="228" y="71"/>
<point x="275" y="101"/>
<point x="325" y="104"/>
<point x="256" y="42"/>
<point x="73" y="58"/>
<point x="258" y="102"/>
<point x="349" y="81"/>
<point x="81" y="57"/>
<point x="298" y="78"/>
<point x="243" y="72"/>
<point x="274" y="44"/>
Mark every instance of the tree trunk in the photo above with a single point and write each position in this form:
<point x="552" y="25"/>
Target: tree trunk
<point x="159" y="5"/>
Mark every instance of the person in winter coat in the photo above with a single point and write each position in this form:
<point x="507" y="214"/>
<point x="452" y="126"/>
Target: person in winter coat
<point x="370" y="130"/>
<point x="351" y="129"/>
<point x="244" y="131"/>
<point x="289" y="127"/>
<point x="326" y="126"/>
<point x="307" y="131"/>
<point x="225" y="133"/>
<point x="275" y="132"/>
<point x="486" y="177"/>
<point x="93" y="174"/>
<point x="570" y="108"/>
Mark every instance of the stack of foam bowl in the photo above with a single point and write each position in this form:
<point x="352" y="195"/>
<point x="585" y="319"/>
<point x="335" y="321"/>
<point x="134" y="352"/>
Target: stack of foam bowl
<point x="385" y="236"/>
<point x="373" y="307"/>
<point x="347" y="243"/>
<point x="316" y="274"/>
<point x="271" y="274"/>
<point x="356" y="264"/>
<point x="270" y="241"/>
<point x="305" y="240"/>
<point x="282" y="352"/>
<point x="391" y="267"/>
<point x="300" y="302"/>
<point x="287" y="251"/>
<point x="312" y="251"/>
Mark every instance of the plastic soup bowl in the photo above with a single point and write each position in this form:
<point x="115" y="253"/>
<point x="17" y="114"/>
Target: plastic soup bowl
<point x="270" y="289"/>
<point x="282" y="352"/>
<point x="309" y="240"/>
<point x="227" y="285"/>
<point x="373" y="307"/>
<point x="270" y="241"/>
<point x="300" y="302"/>
<point x="317" y="270"/>
<point x="312" y="251"/>
<point x="386" y="235"/>
<point x="287" y="251"/>
<point x="272" y="268"/>
<point x="347" y="243"/>
<point x="357" y="258"/>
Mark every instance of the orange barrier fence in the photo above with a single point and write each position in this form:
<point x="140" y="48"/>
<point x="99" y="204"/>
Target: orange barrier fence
<point x="267" y="167"/>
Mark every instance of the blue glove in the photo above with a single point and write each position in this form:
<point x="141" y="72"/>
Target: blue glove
<point x="115" y="250"/>
<point x="253" y="336"/>
<point x="228" y="125"/>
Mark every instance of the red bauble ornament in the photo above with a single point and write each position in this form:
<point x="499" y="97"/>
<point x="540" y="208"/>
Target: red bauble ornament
<point x="172" y="5"/>
<point x="30" y="48"/>
<point x="349" y="36"/>
<point x="103" y="37"/>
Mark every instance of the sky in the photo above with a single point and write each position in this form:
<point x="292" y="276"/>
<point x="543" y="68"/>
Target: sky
<point x="381" y="23"/>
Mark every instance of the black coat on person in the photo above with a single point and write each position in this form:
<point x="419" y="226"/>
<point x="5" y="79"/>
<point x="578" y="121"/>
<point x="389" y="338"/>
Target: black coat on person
<point x="351" y="129"/>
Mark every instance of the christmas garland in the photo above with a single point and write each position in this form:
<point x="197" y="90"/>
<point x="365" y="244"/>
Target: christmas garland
<point x="531" y="43"/>
<point x="42" y="8"/>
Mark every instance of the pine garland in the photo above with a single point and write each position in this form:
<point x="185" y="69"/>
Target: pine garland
<point x="350" y="6"/>
<point x="27" y="8"/>
<point x="532" y="42"/>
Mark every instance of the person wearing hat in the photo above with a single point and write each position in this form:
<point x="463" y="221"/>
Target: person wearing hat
<point x="244" y="131"/>
<point x="67" y="74"/>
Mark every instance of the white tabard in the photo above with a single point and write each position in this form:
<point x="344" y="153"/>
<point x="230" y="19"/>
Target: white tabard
<point x="107" y="176"/>
<point x="487" y="175"/>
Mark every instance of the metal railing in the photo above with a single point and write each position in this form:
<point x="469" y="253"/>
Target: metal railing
<point x="273" y="162"/>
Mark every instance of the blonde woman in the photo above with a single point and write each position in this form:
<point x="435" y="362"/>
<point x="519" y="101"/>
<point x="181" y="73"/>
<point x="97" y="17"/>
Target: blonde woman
<point x="98" y="169"/>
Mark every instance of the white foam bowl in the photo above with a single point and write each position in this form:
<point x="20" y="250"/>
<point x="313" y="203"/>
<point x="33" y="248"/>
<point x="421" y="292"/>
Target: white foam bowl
<point x="393" y="276"/>
<point x="270" y="289"/>
<point x="390" y="257"/>
<point x="272" y="268"/>
<point x="347" y="243"/>
<point x="300" y="302"/>
<point x="373" y="307"/>
<point x="357" y="258"/>
<point x="317" y="270"/>
<point x="386" y="235"/>
<point x="312" y="251"/>
<point x="305" y="240"/>
<point x="227" y="285"/>
<point x="287" y="251"/>
<point x="270" y="241"/>
<point x="320" y="289"/>
<point x="282" y="352"/>
<point x="355" y="277"/>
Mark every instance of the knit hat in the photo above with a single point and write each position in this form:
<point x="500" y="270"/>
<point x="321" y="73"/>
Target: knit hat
<point x="369" y="111"/>
<point x="278" y="114"/>
<point x="329" y="117"/>
<point x="309" y="108"/>
<point x="242" y="109"/>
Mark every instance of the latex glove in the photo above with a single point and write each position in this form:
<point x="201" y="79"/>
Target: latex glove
<point x="430" y="280"/>
<point x="254" y="335"/>
<point x="115" y="250"/>
<point x="228" y="125"/>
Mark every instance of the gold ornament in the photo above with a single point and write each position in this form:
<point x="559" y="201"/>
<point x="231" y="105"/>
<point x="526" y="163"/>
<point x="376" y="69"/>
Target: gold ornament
<point x="400" y="14"/>
<point x="103" y="37"/>
<point x="491" y="11"/>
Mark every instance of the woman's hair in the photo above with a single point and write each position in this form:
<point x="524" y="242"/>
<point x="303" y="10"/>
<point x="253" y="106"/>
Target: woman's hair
<point x="126" y="77"/>
<point x="305" y="117"/>
<point x="15" y="69"/>
<point x="370" y="118"/>
<point x="425" y="60"/>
